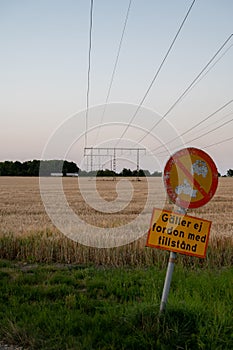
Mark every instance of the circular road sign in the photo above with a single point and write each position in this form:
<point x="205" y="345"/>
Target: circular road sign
<point x="190" y="178"/>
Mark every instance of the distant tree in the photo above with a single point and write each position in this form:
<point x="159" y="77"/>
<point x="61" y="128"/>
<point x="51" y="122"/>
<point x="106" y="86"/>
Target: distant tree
<point x="147" y="173"/>
<point x="126" y="172"/>
<point x="34" y="167"/>
<point x="230" y="172"/>
<point x="7" y="168"/>
<point x="141" y="173"/>
<point x="157" y="174"/>
<point x="69" y="167"/>
<point x="51" y="166"/>
<point x="18" y="168"/>
<point x="106" y="172"/>
<point x="25" y="168"/>
<point x="57" y="166"/>
<point x="83" y="173"/>
<point x="101" y="173"/>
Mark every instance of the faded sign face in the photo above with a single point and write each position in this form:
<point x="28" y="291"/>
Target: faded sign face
<point x="190" y="178"/>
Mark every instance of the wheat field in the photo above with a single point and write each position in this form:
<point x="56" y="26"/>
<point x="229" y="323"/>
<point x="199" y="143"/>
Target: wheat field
<point x="27" y="233"/>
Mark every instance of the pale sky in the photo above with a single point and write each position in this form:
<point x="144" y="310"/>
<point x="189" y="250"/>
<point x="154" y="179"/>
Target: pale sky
<point x="44" y="62"/>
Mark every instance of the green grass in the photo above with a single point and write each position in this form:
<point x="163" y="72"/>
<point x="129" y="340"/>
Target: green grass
<point x="84" y="307"/>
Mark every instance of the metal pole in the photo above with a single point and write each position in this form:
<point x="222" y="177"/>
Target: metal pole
<point x="99" y="159"/>
<point x="170" y="268"/>
<point x="87" y="163"/>
<point x="138" y="164"/>
<point x="91" y="159"/>
<point x="114" y="159"/>
<point x="114" y="164"/>
<point x="167" y="282"/>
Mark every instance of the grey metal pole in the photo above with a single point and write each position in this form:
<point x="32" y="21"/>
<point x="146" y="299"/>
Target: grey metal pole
<point x="137" y="164"/>
<point x="170" y="268"/>
<point x="91" y="159"/>
<point x="167" y="282"/>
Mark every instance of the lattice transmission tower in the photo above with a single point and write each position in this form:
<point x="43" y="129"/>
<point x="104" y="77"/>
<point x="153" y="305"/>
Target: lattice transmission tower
<point x="109" y="154"/>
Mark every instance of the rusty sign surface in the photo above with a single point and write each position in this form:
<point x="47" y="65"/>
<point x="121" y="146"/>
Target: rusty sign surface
<point x="190" y="178"/>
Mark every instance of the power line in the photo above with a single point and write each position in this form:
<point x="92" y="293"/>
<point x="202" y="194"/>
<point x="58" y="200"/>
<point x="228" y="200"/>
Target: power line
<point x="115" y="65"/>
<point x="187" y="89"/>
<point x="89" y="68"/>
<point x="212" y="130"/>
<point x="157" y="72"/>
<point x="218" y="143"/>
<point x="211" y="67"/>
<point x="206" y="133"/>
<point x="213" y="123"/>
<point x="196" y="125"/>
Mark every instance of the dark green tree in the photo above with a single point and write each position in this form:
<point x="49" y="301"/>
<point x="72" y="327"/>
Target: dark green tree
<point x="106" y="172"/>
<point x="37" y="167"/>
<point x="126" y="172"/>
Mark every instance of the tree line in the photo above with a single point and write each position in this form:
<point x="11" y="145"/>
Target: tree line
<point x="48" y="167"/>
<point x="60" y="167"/>
<point x="125" y="173"/>
<point x="37" y="167"/>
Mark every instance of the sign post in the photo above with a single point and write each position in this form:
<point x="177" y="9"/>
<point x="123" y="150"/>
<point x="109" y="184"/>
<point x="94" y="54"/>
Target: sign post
<point x="168" y="278"/>
<point x="191" y="179"/>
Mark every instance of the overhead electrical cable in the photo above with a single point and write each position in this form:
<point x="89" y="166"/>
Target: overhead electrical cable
<point x="210" y="131"/>
<point x="211" y="67"/>
<point x="204" y="134"/>
<point x="196" y="125"/>
<point x="186" y="90"/>
<point x="213" y="123"/>
<point x="157" y="72"/>
<point x="115" y="66"/>
<point x="219" y="143"/>
<point x="89" y="69"/>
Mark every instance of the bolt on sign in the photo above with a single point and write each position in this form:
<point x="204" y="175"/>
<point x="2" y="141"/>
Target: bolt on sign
<point x="190" y="178"/>
<point x="178" y="233"/>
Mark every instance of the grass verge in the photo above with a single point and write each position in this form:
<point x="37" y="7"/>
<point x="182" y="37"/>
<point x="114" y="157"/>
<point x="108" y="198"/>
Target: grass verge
<point x="84" y="307"/>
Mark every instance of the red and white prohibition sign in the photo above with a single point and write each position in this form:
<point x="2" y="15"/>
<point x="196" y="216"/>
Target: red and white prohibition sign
<point x="190" y="178"/>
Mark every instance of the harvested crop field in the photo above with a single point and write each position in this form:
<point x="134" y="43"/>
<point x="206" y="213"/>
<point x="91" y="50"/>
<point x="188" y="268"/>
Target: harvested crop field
<point x="26" y="231"/>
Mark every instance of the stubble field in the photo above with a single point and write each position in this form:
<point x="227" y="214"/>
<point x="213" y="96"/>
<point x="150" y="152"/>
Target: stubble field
<point x="27" y="233"/>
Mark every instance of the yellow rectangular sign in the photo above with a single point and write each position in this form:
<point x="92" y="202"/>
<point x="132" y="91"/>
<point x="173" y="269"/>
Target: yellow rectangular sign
<point x="178" y="233"/>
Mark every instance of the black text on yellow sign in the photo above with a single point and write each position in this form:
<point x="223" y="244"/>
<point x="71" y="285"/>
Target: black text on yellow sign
<point x="178" y="233"/>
